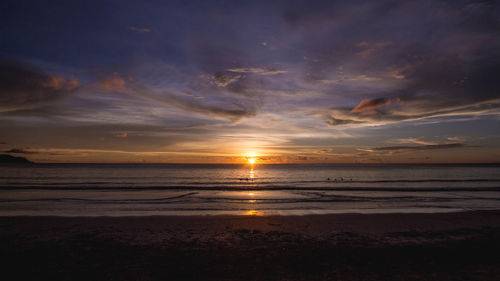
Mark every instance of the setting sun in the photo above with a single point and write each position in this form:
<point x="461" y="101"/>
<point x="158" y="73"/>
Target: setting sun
<point x="251" y="157"/>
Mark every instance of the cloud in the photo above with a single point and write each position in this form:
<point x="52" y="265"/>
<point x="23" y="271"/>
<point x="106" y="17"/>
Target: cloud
<point x="139" y="29"/>
<point x="115" y="83"/>
<point x="418" y="148"/>
<point x="23" y="87"/>
<point x="350" y="79"/>
<point x="417" y="141"/>
<point x="411" y="111"/>
<point x="330" y="120"/>
<point x="369" y="106"/>
<point x="456" y="139"/>
<point x="223" y="79"/>
<point x="21" y="151"/>
<point x="232" y="109"/>
<point x="257" y="70"/>
<point x="450" y="73"/>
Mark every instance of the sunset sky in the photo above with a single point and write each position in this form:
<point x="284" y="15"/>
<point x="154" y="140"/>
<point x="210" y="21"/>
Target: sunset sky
<point x="218" y="81"/>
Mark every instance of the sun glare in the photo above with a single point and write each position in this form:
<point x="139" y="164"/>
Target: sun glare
<point x="251" y="158"/>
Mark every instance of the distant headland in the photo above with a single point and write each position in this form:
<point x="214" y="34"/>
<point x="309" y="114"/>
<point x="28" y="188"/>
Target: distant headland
<point x="6" y="158"/>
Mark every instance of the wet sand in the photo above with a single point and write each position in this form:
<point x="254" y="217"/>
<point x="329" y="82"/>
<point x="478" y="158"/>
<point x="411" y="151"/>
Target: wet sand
<point x="440" y="246"/>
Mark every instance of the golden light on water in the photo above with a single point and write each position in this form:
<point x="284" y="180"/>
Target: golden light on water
<point x="253" y="213"/>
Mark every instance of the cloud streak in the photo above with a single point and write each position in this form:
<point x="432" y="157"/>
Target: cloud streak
<point x="257" y="70"/>
<point x="419" y="148"/>
<point x="139" y="29"/>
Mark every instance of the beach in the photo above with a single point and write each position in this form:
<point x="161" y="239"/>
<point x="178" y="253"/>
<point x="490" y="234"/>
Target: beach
<point x="397" y="246"/>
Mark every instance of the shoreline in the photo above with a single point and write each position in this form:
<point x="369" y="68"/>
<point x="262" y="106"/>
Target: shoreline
<point x="251" y="213"/>
<point x="256" y="213"/>
<point x="259" y="214"/>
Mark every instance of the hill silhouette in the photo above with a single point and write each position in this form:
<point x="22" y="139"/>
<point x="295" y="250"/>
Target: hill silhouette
<point x="6" y="158"/>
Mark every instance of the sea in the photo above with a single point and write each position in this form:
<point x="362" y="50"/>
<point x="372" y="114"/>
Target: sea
<point x="293" y="189"/>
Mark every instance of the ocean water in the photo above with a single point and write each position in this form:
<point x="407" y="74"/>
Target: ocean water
<point x="144" y="189"/>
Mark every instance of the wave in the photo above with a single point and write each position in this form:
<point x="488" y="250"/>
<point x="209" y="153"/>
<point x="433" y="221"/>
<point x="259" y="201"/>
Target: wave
<point x="254" y="187"/>
<point x="248" y="181"/>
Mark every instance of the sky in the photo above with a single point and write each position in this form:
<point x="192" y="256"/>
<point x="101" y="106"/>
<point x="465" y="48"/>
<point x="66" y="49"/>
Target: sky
<point x="221" y="81"/>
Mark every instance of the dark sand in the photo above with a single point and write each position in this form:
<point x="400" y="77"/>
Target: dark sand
<point x="446" y="246"/>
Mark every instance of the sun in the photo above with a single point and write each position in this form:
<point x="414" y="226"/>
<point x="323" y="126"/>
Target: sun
<point x="251" y="158"/>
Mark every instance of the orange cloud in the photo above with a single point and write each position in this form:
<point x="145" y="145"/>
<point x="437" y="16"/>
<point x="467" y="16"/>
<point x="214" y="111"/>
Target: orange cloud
<point x="114" y="84"/>
<point x="399" y="72"/>
<point x="59" y="83"/>
<point x="369" y="106"/>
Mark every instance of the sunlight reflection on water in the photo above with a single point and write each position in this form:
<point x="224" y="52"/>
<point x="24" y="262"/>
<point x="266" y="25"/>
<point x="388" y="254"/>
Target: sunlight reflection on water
<point x="97" y="190"/>
<point x="252" y="213"/>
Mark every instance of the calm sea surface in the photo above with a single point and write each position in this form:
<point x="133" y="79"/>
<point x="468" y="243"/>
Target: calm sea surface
<point x="123" y="190"/>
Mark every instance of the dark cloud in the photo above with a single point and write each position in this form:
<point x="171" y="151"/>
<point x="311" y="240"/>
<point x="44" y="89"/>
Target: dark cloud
<point x="223" y="79"/>
<point x="257" y="70"/>
<point x="21" y="151"/>
<point x="336" y="122"/>
<point x="22" y="87"/>
<point x="419" y="147"/>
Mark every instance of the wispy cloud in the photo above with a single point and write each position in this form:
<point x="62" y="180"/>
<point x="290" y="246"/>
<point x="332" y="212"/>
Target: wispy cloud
<point x="139" y="29"/>
<point x="350" y="79"/>
<point x="257" y="70"/>
<point x="231" y="109"/>
<point x="418" y="141"/>
<point x="418" y="148"/>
